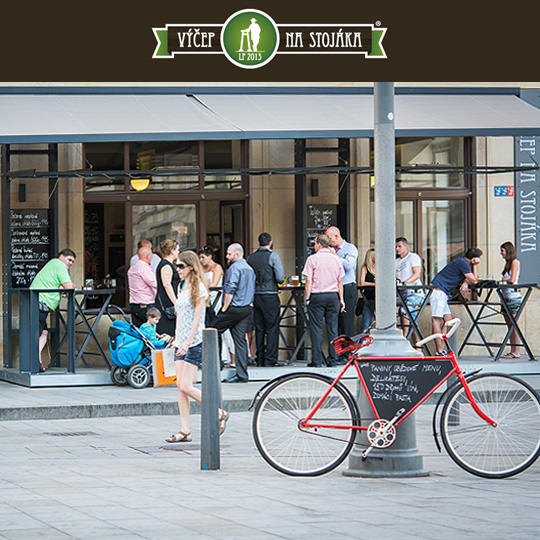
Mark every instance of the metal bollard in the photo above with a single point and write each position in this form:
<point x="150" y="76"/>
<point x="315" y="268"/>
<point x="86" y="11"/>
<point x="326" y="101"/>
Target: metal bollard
<point x="211" y="401"/>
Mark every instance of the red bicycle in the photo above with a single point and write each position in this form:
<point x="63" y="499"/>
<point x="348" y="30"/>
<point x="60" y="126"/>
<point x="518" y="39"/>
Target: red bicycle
<point x="306" y="424"/>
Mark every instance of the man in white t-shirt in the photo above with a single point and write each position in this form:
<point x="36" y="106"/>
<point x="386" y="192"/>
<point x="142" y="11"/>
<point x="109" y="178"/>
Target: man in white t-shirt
<point x="409" y="273"/>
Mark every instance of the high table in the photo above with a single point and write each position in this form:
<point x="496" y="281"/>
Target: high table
<point x="490" y="306"/>
<point x="85" y="321"/>
<point x="294" y="308"/>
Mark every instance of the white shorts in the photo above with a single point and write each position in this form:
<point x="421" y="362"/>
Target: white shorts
<point x="439" y="304"/>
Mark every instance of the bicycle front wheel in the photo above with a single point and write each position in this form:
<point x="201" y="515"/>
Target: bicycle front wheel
<point x="484" y="450"/>
<point x="292" y="448"/>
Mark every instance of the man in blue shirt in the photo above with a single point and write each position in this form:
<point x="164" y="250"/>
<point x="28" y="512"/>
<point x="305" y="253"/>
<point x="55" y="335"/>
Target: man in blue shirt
<point x="239" y="292"/>
<point x="269" y="273"/>
<point x="446" y="281"/>
<point x="349" y="258"/>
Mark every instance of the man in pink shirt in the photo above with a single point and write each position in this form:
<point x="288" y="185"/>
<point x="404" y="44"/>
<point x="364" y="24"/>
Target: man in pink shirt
<point x="142" y="286"/>
<point x="324" y="298"/>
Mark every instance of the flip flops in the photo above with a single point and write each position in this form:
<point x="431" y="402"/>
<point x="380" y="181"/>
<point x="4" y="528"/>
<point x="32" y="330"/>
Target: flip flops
<point x="223" y="419"/>
<point x="510" y="355"/>
<point x="179" y="437"/>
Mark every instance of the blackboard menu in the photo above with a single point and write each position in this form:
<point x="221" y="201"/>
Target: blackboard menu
<point x="319" y="218"/>
<point x="94" y="240"/>
<point x="396" y="384"/>
<point x="30" y="245"/>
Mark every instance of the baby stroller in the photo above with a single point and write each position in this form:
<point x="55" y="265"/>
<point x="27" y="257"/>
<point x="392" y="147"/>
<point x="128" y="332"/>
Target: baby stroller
<point x="131" y="354"/>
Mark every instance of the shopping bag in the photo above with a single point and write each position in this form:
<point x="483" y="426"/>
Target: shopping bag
<point x="163" y="368"/>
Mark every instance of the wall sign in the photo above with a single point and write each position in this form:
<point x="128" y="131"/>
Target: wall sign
<point x="30" y="245"/>
<point x="319" y="218"/>
<point x="527" y="216"/>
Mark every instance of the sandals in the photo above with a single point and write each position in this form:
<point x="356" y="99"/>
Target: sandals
<point x="510" y="355"/>
<point x="186" y="437"/>
<point x="223" y="419"/>
<point x="179" y="437"/>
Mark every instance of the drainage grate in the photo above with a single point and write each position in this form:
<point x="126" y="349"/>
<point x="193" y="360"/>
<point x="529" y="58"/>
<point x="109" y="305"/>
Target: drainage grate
<point x="71" y="434"/>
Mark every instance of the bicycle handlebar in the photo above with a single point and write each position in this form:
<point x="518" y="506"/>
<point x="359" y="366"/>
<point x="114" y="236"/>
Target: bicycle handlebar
<point x="454" y="323"/>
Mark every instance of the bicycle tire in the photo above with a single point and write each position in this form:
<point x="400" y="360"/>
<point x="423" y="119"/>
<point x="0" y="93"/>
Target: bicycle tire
<point x="296" y="452"/>
<point x="481" y="449"/>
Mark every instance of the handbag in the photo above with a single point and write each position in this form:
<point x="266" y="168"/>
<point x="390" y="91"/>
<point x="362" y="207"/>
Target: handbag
<point x="169" y="311"/>
<point x="359" y="306"/>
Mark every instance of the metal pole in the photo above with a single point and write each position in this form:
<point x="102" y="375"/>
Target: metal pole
<point x="211" y="400"/>
<point x="402" y="458"/>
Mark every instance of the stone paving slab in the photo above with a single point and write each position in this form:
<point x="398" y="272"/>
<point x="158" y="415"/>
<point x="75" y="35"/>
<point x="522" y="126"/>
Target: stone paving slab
<point x="97" y="478"/>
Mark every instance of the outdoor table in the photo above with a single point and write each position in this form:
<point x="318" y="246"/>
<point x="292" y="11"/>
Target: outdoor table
<point x="401" y="296"/>
<point x="86" y="321"/>
<point x="294" y="308"/>
<point x="490" y="306"/>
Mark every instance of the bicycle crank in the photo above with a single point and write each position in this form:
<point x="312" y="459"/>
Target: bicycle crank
<point x="381" y="433"/>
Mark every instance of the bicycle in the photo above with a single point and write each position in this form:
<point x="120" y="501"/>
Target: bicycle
<point x="306" y="424"/>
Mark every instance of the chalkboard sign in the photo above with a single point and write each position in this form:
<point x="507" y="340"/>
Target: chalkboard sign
<point x="94" y="240"/>
<point x="30" y="245"/>
<point x="319" y="218"/>
<point x="397" y="384"/>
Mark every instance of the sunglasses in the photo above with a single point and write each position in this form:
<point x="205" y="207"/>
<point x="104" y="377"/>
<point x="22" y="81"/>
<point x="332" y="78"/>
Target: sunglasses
<point x="181" y="266"/>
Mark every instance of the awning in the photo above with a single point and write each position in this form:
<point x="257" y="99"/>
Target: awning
<point x="47" y="118"/>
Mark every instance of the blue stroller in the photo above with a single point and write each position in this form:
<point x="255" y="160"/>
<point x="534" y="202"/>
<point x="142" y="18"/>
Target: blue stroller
<point x="131" y="354"/>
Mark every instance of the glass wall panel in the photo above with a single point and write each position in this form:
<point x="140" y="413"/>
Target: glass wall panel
<point x="163" y="156"/>
<point x="222" y="155"/>
<point x="430" y="151"/>
<point x="443" y="234"/>
<point x="105" y="157"/>
<point x="404" y="221"/>
<point x="160" y="222"/>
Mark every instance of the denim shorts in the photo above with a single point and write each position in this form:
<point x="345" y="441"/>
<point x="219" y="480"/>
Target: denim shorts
<point x="414" y="302"/>
<point x="193" y="355"/>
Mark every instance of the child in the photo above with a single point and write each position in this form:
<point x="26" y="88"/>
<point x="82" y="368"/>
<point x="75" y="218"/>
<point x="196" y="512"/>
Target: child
<point x="149" y="329"/>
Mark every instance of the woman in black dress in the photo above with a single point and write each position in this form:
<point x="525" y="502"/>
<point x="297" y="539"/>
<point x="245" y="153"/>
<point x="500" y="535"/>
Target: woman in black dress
<point x="168" y="281"/>
<point x="367" y="282"/>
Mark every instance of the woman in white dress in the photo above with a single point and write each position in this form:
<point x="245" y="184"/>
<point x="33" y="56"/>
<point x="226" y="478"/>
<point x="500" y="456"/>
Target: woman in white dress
<point x="213" y="272"/>
<point x="190" y="313"/>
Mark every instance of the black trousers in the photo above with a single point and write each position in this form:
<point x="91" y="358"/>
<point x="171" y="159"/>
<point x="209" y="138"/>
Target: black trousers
<point x="236" y="320"/>
<point x="346" y="318"/>
<point x="266" y="312"/>
<point x="323" y="307"/>
<point x="138" y="314"/>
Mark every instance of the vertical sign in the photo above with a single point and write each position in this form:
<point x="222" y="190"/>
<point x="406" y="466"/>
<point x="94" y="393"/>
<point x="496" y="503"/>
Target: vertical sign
<point x="527" y="217"/>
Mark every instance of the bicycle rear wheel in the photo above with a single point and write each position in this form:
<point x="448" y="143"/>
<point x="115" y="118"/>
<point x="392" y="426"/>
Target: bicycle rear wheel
<point x="484" y="450"/>
<point x="297" y="451"/>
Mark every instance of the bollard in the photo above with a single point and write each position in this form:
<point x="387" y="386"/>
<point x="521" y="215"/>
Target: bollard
<point x="211" y="401"/>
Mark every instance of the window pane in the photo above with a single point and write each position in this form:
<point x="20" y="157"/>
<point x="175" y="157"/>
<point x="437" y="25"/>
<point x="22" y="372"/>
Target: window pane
<point x="443" y="234"/>
<point x="163" y="156"/>
<point x="430" y="151"/>
<point x="105" y="157"/>
<point x="228" y="181"/>
<point x="222" y="155"/>
<point x="161" y="222"/>
<point x="404" y="221"/>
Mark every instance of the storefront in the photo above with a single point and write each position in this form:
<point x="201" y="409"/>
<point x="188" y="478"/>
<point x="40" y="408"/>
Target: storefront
<point x="209" y="166"/>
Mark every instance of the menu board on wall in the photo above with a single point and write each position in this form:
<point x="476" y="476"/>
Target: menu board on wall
<point x="94" y="239"/>
<point x="30" y="245"/>
<point x="319" y="218"/>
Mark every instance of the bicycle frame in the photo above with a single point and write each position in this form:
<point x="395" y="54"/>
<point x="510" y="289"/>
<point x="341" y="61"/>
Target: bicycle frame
<point x="354" y="358"/>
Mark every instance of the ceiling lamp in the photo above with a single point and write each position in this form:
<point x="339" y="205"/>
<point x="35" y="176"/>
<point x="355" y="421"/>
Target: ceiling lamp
<point x="139" y="184"/>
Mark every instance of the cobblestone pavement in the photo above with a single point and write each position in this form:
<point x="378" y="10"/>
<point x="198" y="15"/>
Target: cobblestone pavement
<point x="100" y="478"/>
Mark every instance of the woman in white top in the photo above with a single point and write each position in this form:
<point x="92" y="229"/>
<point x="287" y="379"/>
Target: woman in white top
<point x="213" y="272"/>
<point x="510" y="274"/>
<point x="190" y="312"/>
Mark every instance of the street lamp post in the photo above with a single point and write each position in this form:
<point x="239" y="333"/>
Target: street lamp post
<point x="402" y="458"/>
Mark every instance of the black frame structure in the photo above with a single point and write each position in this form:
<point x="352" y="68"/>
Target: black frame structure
<point x="227" y="129"/>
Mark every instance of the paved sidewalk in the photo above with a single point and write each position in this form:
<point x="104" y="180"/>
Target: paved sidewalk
<point x="101" y="478"/>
